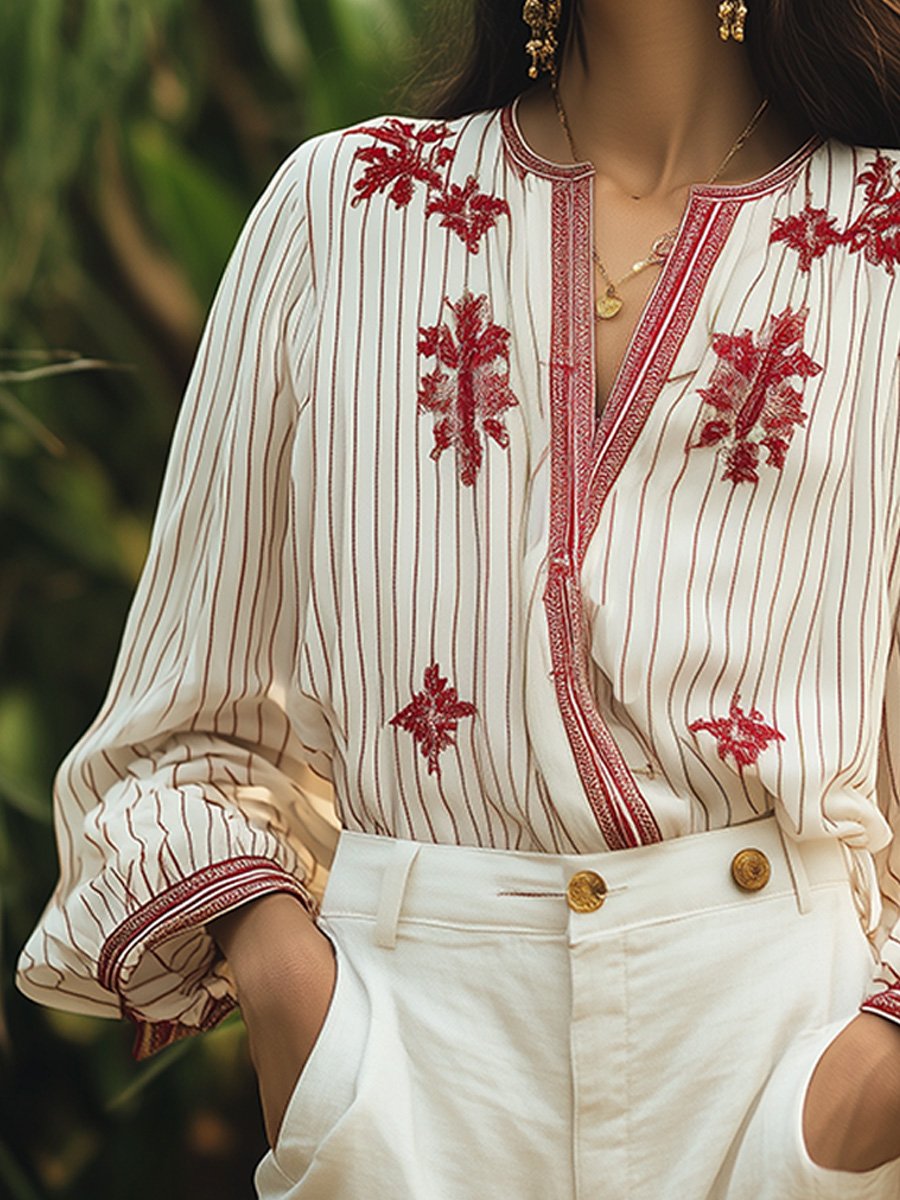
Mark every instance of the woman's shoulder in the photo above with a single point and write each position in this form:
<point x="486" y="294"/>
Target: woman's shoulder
<point x="862" y="172"/>
<point x="850" y="158"/>
<point x="393" y="156"/>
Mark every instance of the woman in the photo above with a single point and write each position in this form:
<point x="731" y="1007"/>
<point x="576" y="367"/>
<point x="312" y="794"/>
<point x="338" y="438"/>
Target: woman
<point x="536" y="486"/>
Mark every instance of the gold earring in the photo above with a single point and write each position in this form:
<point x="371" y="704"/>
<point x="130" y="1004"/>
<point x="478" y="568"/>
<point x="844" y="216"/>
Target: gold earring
<point x="543" y="16"/>
<point x="732" y="15"/>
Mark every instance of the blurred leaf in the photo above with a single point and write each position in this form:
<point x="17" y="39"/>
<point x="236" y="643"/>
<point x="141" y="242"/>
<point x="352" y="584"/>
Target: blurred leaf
<point x="29" y="422"/>
<point x="75" y="1028"/>
<point x="194" y="213"/>
<point x="22" y="749"/>
<point x="373" y="32"/>
<point x="75" y="511"/>
<point x="67" y="364"/>
<point x="24" y="798"/>
<point x="15" y="1183"/>
<point x="283" y="36"/>
<point x="163" y="1062"/>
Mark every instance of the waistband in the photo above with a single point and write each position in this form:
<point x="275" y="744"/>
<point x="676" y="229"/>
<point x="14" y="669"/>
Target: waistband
<point x="393" y="880"/>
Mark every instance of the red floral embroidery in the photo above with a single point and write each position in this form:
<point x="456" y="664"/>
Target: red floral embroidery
<point x="403" y="156"/>
<point x="408" y="155"/>
<point x="755" y="404"/>
<point x="468" y="211"/>
<point x="474" y="389"/>
<point x="810" y="232"/>
<point x="432" y="716"/>
<point x="742" y="735"/>
<point x="875" y="232"/>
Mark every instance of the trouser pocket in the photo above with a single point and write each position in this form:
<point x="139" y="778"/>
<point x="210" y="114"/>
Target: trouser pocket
<point x="803" y="1178"/>
<point x="326" y="1085"/>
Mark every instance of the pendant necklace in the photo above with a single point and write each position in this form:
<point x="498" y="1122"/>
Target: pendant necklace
<point x="610" y="303"/>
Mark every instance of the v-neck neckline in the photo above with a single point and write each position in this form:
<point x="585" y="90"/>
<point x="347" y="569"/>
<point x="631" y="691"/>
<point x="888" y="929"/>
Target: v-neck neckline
<point x="708" y="215"/>
<point x="661" y="293"/>
<point x="547" y="168"/>
<point x="587" y="453"/>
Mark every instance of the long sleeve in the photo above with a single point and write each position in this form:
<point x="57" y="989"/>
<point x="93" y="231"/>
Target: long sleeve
<point x="189" y="795"/>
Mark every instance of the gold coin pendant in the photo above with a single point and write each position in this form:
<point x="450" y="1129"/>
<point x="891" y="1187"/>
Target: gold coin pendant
<point x="608" y="305"/>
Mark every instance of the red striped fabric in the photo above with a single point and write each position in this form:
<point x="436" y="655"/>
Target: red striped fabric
<point x="404" y="580"/>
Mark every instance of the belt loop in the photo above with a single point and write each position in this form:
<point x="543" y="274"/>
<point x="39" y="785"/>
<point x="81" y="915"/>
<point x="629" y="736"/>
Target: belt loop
<point x="393" y="888"/>
<point x="794" y="856"/>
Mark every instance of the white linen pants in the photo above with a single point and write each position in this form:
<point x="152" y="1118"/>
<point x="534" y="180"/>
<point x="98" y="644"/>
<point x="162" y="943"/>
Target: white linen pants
<point x="493" y="1035"/>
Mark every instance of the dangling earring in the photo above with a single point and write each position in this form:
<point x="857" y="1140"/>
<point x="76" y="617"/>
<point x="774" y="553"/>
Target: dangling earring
<point x="732" y="15"/>
<point x="543" y="17"/>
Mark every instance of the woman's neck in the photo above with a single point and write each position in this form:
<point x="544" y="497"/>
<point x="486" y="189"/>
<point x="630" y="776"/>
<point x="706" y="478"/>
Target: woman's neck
<point x="658" y="99"/>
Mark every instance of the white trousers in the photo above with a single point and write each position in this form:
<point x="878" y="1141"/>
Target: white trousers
<point x="495" y="1032"/>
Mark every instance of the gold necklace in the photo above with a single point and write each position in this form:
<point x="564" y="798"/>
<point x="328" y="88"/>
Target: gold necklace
<point x="611" y="302"/>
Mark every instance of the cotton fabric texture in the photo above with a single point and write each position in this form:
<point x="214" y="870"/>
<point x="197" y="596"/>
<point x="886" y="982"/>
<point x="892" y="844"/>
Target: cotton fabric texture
<point x="485" y="1039"/>
<point x="401" y="567"/>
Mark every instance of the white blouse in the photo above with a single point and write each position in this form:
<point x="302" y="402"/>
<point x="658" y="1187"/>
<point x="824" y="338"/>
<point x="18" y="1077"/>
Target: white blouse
<point x="403" y="580"/>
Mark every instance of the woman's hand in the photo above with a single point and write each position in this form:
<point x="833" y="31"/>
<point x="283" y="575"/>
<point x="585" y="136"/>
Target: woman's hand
<point x="851" y="1116"/>
<point x="284" y="971"/>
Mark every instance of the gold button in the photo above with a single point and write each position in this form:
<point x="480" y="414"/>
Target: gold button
<point x="586" y="891"/>
<point x="751" y="869"/>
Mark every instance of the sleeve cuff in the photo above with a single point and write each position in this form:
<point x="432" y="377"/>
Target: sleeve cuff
<point x="152" y="1036"/>
<point x="884" y="1004"/>
<point x="161" y="962"/>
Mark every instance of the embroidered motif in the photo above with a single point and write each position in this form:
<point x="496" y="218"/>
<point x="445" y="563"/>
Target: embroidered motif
<point x="404" y="156"/>
<point x="756" y="406"/>
<point x="742" y="735"/>
<point x="810" y="232"/>
<point x="432" y="717"/>
<point x="875" y="232"/>
<point x="473" y="389"/>
<point x="468" y="211"/>
<point x="409" y="155"/>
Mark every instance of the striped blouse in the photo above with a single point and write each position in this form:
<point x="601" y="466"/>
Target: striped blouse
<point x="404" y="580"/>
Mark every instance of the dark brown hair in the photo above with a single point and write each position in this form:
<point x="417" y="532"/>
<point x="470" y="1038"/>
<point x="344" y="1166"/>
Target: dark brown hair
<point x="834" y="65"/>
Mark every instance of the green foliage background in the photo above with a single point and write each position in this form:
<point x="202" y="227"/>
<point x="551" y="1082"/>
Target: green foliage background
<point x="134" y="137"/>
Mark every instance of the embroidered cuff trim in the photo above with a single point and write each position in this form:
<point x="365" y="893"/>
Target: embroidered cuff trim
<point x="884" y="1004"/>
<point x="192" y="902"/>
